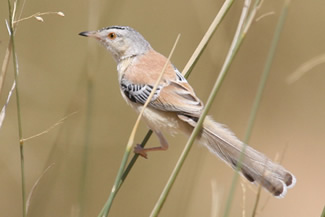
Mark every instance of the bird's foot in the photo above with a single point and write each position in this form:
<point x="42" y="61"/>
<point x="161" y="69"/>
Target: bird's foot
<point x="138" y="149"/>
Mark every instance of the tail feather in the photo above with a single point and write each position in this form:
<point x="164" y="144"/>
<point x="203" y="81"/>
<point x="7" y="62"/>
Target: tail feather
<point x="255" y="166"/>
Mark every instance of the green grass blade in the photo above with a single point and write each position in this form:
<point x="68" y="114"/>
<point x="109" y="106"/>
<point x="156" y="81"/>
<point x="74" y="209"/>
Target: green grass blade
<point x="20" y="131"/>
<point x="86" y="142"/>
<point x="265" y="74"/>
<point x="206" y="38"/>
<point x="254" y="108"/>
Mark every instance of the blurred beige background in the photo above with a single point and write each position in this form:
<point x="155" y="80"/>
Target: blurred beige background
<point x="61" y="72"/>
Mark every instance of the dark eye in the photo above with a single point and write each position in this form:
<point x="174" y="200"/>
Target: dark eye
<point x="111" y="35"/>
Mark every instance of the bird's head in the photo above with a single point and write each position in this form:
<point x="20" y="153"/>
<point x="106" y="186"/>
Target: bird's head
<point x="122" y="41"/>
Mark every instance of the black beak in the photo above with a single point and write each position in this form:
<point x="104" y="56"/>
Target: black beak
<point x="84" y="34"/>
<point x="92" y="34"/>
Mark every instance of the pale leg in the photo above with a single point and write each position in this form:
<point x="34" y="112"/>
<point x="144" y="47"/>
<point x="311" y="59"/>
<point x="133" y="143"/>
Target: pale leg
<point x="143" y="151"/>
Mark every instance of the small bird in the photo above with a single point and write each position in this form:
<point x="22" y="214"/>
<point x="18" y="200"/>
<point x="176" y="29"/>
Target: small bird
<point x="175" y="107"/>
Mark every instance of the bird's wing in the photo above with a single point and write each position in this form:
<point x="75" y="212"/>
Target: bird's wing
<point x="172" y="95"/>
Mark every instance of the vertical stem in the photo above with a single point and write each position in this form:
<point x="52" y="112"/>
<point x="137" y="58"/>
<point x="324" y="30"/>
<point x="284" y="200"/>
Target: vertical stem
<point x="256" y="104"/>
<point x="237" y="41"/>
<point x="20" y="131"/>
<point x="265" y="74"/>
<point x="85" y="150"/>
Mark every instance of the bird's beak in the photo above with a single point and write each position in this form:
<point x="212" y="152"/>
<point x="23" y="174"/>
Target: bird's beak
<point x="92" y="34"/>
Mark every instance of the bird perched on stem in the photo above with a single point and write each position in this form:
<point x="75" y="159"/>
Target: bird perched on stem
<point x="175" y="107"/>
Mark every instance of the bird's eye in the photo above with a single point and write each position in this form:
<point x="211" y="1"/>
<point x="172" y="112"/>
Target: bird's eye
<point x="111" y="35"/>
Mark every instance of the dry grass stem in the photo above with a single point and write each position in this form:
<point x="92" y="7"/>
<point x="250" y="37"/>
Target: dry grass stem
<point x="38" y="16"/>
<point x="305" y="68"/>
<point x="3" y="110"/>
<point x="243" y="188"/>
<point x="206" y="38"/>
<point x="264" y="15"/>
<point x="61" y="121"/>
<point x="30" y="195"/>
<point x="215" y="193"/>
<point x="4" y="67"/>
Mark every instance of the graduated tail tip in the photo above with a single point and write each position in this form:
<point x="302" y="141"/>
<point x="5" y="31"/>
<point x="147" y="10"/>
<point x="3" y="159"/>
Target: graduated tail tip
<point x="255" y="166"/>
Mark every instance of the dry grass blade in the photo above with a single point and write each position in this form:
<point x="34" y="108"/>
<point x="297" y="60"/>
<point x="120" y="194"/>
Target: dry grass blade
<point x="264" y="15"/>
<point x="30" y="195"/>
<point x="206" y="38"/>
<point x="305" y="68"/>
<point x="61" y="121"/>
<point x="4" y="67"/>
<point x="216" y="199"/>
<point x="3" y="110"/>
<point x="38" y="16"/>
<point x="243" y="187"/>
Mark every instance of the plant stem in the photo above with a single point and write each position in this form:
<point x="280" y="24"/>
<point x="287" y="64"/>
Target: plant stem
<point x="196" y="130"/>
<point x="206" y="38"/>
<point x="85" y="151"/>
<point x="254" y="108"/>
<point x="265" y="74"/>
<point x="20" y="131"/>
<point x="237" y="41"/>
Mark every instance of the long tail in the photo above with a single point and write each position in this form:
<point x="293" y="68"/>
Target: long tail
<point x="255" y="166"/>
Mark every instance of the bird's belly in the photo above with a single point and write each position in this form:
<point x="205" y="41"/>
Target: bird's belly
<point x="161" y="120"/>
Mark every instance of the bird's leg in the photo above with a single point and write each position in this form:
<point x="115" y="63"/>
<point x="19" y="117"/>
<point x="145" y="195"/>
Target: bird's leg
<point x="143" y="151"/>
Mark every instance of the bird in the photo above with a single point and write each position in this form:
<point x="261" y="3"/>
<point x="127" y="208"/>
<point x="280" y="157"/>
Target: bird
<point x="174" y="107"/>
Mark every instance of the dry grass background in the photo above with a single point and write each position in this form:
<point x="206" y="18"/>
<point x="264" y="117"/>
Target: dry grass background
<point x="61" y="72"/>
